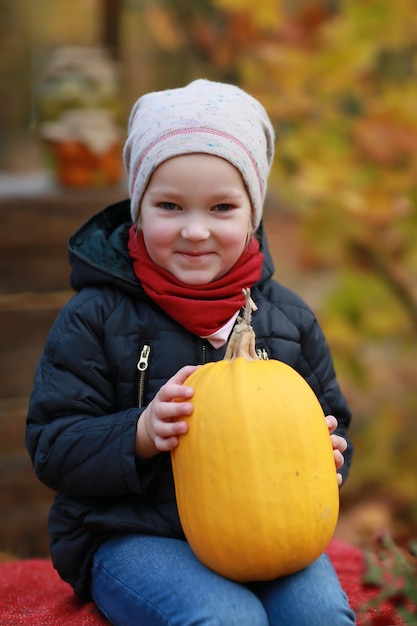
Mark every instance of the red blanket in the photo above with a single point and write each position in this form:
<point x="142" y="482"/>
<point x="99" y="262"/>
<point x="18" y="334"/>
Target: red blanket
<point x="31" y="593"/>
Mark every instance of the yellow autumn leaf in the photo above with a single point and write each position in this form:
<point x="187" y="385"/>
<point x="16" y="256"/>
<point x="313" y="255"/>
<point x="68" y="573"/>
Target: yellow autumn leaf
<point x="264" y="13"/>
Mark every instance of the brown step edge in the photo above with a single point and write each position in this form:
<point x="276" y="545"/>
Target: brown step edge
<point x="29" y="301"/>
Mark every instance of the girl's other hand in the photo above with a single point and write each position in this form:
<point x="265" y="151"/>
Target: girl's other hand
<point x="339" y="445"/>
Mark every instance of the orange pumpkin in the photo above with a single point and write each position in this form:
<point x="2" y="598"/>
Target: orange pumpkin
<point x="255" y="476"/>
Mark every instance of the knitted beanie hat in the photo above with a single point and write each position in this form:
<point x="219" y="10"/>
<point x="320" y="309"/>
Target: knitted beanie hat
<point x="209" y="117"/>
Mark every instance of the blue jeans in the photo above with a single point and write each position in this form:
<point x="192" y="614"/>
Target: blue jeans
<point x="156" y="581"/>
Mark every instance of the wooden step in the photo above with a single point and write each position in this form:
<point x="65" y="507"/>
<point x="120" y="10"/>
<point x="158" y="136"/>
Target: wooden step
<point x="12" y="424"/>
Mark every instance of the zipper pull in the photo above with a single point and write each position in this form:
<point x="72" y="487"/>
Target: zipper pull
<point x="142" y="365"/>
<point x="143" y="362"/>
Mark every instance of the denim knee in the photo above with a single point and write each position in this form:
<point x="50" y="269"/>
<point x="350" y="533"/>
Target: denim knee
<point x="311" y="597"/>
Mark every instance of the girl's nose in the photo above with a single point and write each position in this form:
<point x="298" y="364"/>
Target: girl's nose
<point x="195" y="228"/>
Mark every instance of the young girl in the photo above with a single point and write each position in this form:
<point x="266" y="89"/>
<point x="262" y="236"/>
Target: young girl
<point x="159" y="282"/>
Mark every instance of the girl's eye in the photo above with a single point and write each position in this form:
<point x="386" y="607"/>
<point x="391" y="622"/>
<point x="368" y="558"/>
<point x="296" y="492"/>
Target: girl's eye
<point x="223" y="207"/>
<point x="169" y="206"/>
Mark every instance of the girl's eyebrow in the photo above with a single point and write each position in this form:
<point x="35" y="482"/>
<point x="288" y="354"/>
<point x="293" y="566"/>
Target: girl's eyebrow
<point x="228" y="193"/>
<point x="215" y="195"/>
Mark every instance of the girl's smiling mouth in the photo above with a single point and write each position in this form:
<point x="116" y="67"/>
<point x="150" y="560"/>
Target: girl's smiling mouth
<point x="195" y="255"/>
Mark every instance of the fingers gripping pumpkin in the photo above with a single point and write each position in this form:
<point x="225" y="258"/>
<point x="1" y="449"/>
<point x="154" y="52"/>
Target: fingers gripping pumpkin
<point x="255" y="476"/>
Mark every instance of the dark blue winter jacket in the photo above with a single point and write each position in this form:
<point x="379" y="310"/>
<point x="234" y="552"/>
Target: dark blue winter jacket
<point x="87" y="393"/>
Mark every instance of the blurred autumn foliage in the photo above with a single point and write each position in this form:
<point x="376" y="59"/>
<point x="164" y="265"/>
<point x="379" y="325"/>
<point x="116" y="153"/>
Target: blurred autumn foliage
<point x="339" y="79"/>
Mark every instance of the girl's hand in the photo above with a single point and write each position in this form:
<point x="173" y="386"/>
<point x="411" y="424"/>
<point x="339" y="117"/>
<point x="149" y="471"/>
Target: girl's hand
<point x="158" y="429"/>
<point x="339" y="445"/>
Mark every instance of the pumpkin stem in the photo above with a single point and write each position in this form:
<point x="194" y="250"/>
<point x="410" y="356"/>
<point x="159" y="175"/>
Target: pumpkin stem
<point x="242" y="339"/>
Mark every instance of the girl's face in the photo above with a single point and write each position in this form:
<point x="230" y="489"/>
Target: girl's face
<point x="195" y="217"/>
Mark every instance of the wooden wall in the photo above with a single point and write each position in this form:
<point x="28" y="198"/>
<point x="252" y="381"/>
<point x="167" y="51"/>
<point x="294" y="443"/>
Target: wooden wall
<point x="36" y="219"/>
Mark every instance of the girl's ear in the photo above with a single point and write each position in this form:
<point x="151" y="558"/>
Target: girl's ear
<point x="138" y="225"/>
<point x="251" y="228"/>
<point x="258" y="234"/>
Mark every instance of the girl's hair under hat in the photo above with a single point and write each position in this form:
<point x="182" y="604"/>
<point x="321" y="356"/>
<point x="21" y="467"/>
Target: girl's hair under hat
<point x="203" y="117"/>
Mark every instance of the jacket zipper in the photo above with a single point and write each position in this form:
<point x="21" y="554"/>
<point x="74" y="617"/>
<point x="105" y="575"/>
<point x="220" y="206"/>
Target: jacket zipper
<point x="142" y="366"/>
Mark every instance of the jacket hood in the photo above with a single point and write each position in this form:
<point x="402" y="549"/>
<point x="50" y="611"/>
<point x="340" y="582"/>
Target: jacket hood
<point x="99" y="255"/>
<point x="98" y="252"/>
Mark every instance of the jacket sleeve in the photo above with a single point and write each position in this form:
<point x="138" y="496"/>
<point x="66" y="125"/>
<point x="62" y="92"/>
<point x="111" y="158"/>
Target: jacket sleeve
<point x="78" y="442"/>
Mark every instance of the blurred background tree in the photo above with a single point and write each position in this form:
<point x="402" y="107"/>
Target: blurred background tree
<point x="338" y="78"/>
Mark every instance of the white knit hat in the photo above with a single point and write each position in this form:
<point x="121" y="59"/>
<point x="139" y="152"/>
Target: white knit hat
<point x="209" y="117"/>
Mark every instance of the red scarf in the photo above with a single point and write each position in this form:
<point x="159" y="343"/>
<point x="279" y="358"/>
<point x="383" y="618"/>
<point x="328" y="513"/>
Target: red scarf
<point x="201" y="309"/>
